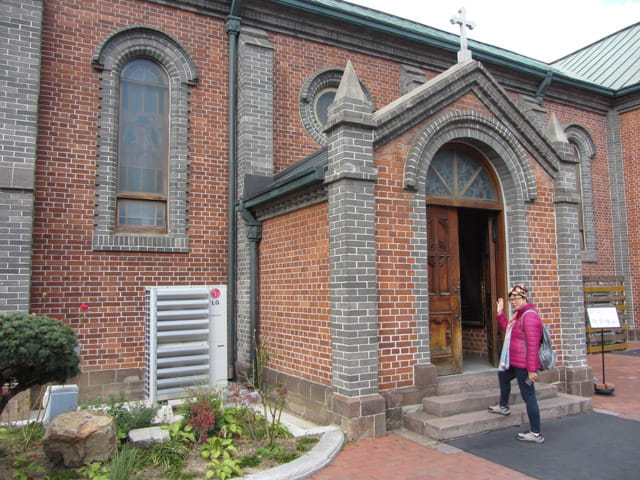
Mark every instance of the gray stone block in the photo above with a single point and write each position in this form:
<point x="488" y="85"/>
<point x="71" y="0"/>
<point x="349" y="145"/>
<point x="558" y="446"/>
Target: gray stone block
<point x="147" y="437"/>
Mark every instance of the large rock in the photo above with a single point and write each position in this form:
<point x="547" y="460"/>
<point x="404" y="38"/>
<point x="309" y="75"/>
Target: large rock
<point x="77" y="438"/>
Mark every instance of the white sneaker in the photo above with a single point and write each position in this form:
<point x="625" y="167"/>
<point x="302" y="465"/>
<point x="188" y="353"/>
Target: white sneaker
<point x="530" y="437"/>
<point x="500" y="410"/>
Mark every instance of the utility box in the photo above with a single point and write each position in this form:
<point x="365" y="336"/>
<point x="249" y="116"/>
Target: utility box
<point x="59" y="399"/>
<point x="186" y="340"/>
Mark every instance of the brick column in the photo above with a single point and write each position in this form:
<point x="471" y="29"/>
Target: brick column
<point x="255" y="157"/>
<point x="350" y="177"/>
<point x="20" y="53"/>
<point x="619" y="213"/>
<point x="575" y="371"/>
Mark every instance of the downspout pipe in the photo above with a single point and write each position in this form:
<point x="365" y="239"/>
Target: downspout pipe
<point x="254" y="235"/>
<point x="233" y="30"/>
<point x="542" y="88"/>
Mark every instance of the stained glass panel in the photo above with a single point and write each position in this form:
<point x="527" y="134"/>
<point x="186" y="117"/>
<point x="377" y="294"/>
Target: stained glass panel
<point x="456" y="174"/>
<point x="143" y="145"/>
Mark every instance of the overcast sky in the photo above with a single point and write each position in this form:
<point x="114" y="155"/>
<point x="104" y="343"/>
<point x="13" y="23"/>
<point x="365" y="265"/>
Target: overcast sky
<point x="542" y="29"/>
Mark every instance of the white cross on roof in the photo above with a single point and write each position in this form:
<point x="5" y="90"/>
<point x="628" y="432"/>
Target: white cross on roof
<point x="461" y="19"/>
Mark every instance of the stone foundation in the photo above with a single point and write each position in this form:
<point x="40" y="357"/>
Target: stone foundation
<point x="106" y="383"/>
<point x="362" y="417"/>
<point x="578" y="380"/>
<point x="426" y="385"/>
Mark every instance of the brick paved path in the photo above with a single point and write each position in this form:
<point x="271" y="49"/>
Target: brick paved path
<point x="392" y="457"/>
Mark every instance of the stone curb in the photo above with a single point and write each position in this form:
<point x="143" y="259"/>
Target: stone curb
<point x="311" y="462"/>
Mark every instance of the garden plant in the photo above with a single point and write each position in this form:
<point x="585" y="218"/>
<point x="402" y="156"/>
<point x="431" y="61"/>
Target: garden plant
<point x="220" y="433"/>
<point x="34" y="350"/>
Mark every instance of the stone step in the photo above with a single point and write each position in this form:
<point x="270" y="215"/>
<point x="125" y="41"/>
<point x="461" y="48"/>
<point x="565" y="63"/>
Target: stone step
<point x="451" y="384"/>
<point x="452" y="404"/>
<point x="481" y="421"/>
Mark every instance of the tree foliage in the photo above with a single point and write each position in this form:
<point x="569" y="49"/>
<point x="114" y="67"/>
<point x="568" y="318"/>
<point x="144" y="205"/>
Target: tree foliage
<point x="34" y="350"/>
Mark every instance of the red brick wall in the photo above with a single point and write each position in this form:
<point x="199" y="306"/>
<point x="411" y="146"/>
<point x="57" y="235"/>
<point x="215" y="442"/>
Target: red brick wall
<point x="630" y="129"/>
<point x="396" y="300"/>
<point x="544" y="255"/>
<point x="393" y="240"/>
<point x="66" y="272"/>
<point x="292" y="69"/>
<point x="294" y="277"/>
<point x="475" y="342"/>
<point x="295" y="322"/>
<point x="595" y="125"/>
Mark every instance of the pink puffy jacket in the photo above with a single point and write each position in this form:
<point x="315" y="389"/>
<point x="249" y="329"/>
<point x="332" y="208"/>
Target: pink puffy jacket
<point x="533" y="333"/>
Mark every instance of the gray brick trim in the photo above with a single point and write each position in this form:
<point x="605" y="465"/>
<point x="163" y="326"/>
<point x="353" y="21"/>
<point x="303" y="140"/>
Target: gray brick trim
<point x="409" y="78"/>
<point x="619" y="208"/>
<point x="431" y="98"/>
<point x="301" y="199"/>
<point x="110" y="56"/>
<point x="585" y="146"/>
<point x="570" y="286"/>
<point x="420" y="280"/>
<point x="254" y="156"/>
<point x="569" y="255"/>
<point x="255" y="106"/>
<point x="479" y="129"/>
<point x="352" y="243"/>
<point x="20" y="57"/>
<point x="513" y="167"/>
<point x="16" y="217"/>
<point x="325" y="78"/>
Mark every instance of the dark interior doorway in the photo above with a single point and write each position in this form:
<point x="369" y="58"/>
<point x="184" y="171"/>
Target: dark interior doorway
<point x="478" y="240"/>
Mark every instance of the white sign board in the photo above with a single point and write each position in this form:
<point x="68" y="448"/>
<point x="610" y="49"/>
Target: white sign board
<point x="603" y="317"/>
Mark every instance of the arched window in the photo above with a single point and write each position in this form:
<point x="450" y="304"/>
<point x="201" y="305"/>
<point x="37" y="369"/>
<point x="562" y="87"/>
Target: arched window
<point x="455" y="176"/>
<point x="143" y="147"/>
<point x="584" y="149"/>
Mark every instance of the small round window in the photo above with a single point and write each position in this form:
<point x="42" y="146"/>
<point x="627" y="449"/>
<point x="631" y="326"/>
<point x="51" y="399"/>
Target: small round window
<point x="321" y="105"/>
<point x="317" y="93"/>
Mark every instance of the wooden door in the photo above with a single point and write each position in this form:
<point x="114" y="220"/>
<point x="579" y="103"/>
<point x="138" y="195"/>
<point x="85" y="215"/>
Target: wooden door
<point x="490" y="280"/>
<point x="444" y="290"/>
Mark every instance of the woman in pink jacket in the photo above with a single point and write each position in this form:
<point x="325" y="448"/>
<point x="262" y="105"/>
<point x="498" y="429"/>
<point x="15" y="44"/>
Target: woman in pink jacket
<point x="520" y="361"/>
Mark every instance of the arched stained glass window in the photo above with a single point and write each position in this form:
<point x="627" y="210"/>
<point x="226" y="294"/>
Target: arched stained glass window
<point x="143" y="155"/>
<point x="456" y="174"/>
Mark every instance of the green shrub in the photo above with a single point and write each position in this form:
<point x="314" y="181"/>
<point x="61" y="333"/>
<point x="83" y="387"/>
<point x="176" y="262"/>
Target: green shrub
<point x="304" y="444"/>
<point x="249" y="461"/>
<point x="124" y="464"/>
<point x="63" y="474"/>
<point x="127" y="416"/>
<point x="34" y="350"/>
<point x="168" y="454"/>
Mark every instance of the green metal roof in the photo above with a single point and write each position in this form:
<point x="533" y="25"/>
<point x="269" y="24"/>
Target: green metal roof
<point x="414" y="31"/>
<point x="613" y="62"/>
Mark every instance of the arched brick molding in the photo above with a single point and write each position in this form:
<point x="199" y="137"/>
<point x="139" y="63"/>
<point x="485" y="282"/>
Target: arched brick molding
<point x="320" y="80"/>
<point x="586" y="150"/>
<point x="511" y="164"/>
<point x="109" y="58"/>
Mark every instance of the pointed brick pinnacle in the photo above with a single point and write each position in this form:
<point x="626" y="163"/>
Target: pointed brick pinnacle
<point x="350" y="87"/>
<point x="555" y="133"/>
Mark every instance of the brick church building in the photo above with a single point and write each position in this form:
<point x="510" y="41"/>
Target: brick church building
<point x="355" y="188"/>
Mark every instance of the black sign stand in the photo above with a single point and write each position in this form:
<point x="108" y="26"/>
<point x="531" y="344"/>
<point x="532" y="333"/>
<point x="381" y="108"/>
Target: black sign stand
<point x="603" y="317"/>
<point x="603" y="388"/>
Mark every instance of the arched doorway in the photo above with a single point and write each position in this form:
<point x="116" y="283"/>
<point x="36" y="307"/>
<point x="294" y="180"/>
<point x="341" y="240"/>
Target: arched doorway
<point x="466" y="265"/>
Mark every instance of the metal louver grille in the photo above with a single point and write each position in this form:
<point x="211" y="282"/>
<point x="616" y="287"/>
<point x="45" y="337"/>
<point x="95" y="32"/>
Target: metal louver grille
<point x="179" y="339"/>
